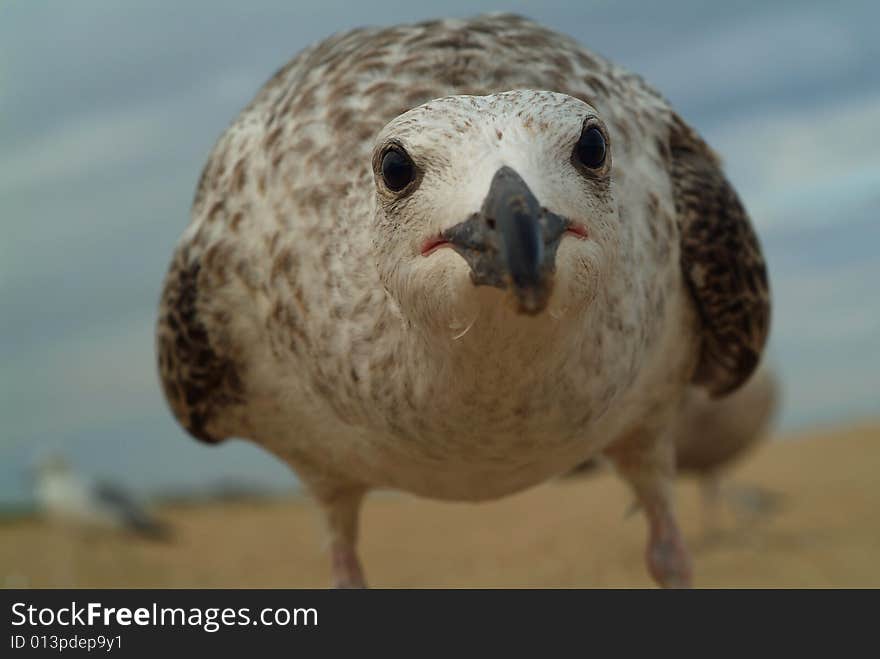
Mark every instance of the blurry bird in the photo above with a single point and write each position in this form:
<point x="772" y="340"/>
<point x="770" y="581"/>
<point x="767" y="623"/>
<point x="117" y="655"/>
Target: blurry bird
<point x="67" y="497"/>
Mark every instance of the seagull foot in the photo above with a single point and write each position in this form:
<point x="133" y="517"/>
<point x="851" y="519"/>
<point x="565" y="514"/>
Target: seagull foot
<point x="347" y="572"/>
<point x="667" y="557"/>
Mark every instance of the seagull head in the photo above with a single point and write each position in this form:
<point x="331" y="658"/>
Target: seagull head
<point x="500" y="202"/>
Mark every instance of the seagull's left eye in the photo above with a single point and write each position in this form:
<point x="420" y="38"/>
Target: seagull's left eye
<point x="398" y="170"/>
<point x="590" y="149"/>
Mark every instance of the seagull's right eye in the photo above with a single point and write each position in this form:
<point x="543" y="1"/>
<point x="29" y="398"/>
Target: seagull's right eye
<point x="398" y="170"/>
<point x="590" y="148"/>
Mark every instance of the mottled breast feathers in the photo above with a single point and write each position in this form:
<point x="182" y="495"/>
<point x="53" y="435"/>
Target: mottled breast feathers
<point x="722" y="264"/>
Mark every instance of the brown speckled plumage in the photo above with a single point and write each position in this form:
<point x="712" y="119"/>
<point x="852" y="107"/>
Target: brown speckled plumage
<point x="196" y="378"/>
<point x="299" y="312"/>
<point x="722" y="263"/>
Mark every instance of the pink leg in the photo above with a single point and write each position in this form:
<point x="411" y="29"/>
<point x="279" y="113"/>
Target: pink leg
<point x="347" y="571"/>
<point x="649" y="467"/>
<point x="341" y="511"/>
<point x="667" y="557"/>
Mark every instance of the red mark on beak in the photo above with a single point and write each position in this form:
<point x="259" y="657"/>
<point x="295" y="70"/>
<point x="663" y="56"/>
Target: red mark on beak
<point x="578" y="230"/>
<point x="431" y="245"/>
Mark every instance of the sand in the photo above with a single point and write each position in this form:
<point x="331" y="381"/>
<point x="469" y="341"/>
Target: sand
<point x="823" y="530"/>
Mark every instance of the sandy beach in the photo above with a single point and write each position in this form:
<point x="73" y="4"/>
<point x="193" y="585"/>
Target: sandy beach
<point x="822" y="529"/>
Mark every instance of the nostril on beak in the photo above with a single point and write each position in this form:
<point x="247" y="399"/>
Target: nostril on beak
<point x="490" y="222"/>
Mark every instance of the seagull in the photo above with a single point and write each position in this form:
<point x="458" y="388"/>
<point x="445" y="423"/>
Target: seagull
<point x="65" y="496"/>
<point x="458" y="258"/>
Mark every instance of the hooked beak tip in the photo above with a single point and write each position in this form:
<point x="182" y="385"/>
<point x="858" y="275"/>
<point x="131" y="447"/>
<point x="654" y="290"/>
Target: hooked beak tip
<point x="533" y="300"/>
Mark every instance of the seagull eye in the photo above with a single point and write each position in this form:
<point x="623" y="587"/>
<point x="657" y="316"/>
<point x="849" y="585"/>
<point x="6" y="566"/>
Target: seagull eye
<point x="590" y="148"/>
<point x="397" y="169"/>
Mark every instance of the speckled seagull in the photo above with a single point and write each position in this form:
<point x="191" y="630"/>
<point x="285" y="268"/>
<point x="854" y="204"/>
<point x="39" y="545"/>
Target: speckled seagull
<point x="458" y="258"/>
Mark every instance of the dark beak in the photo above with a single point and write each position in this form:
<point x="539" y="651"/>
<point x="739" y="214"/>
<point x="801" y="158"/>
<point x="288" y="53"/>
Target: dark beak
<point x="511" y="242"/>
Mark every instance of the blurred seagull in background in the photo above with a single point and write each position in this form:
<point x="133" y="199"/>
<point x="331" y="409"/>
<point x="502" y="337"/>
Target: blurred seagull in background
<point x="65" y="496"/>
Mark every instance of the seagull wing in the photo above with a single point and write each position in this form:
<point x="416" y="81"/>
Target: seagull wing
<point x="722" y="264"/>
<point x="198" y="377"/>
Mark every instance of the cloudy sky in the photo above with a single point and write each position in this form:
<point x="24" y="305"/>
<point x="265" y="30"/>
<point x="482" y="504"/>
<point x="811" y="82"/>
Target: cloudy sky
<point x="108" y="110"/>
